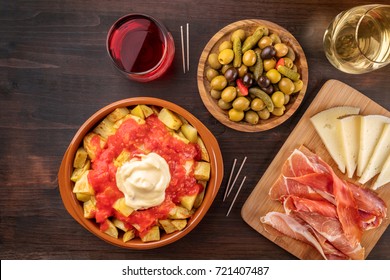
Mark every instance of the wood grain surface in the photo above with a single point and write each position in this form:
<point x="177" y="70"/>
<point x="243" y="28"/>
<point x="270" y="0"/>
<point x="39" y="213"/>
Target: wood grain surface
<point x="55" y="73"/>
<point x="333" y="93"/>
<point x="250" y="25"/>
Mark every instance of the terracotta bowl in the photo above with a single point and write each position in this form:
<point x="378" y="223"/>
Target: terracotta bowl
<point x="224" y="34"/>
<point x="75" y="208"/>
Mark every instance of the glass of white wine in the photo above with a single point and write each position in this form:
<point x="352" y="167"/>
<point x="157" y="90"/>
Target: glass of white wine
<point x="358" y="40"/>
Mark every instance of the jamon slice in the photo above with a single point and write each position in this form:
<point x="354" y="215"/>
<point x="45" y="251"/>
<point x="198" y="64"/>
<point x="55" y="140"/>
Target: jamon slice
<point x="332" y="230"/>
<point x="298" y="204"/>
<point x="295" y="228"/>
<point x="322" y="218"/>
<point x="347" y="211"/>
<point x="292" y="228"/>
<point x="302" y="162"/>
<point x="285" y="186"/>
<point x="317" y="186"/>
<point x="368" y="201"/>
<point x="300" y="173"/>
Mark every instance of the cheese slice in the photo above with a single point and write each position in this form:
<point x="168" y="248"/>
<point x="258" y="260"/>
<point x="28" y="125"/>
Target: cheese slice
<point x="378" y="157"/>
<point x="350" y="136"/>
<point x="327" y="125"/>
<point x="371" y="129"/>
<point x="384" y="177"/>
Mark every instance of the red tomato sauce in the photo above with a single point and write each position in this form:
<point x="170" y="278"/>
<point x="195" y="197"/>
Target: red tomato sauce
<point x="153" y="136"/>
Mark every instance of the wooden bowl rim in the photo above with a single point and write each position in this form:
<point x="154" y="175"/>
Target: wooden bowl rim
<point x="211" y="104"/>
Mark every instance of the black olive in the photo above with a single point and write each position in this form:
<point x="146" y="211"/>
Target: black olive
<point x="231" y="74"/>
<point x="263" y="82"/>
<point x="268" y="52"/>
<point x="269" y="90"/>
<point x="248" y="80"/>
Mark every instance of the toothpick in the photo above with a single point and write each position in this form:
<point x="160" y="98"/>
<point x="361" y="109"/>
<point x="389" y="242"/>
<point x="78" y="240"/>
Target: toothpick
<point x="188" y="47"/>
<point x="235" y="197"/>
<point x="182" y="49"/>
<point x="235" y="179"/>
<point x="230" y="178"/>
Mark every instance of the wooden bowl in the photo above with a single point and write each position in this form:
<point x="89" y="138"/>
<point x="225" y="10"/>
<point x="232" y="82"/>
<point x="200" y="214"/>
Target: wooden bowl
<point x="224" y="34"/>
<point x="75" y="208"/>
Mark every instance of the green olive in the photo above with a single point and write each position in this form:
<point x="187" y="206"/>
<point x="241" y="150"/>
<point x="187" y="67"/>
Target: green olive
<point x="278" y="111"/>
<point x="224" y="105"/>
<point x="216" y="94"/>
<point x="257" y="104"/>
<point x="264" y="114"/>
<point x="288" y="62"/>
<point x="269" y="64"/>
<point x="281" y="49"/>
<point x="226" y="56"/>
<point x="286" y="99"/>
<point x="294" y="68"/>
<point x="278" y="98"/>
<point x="218" y="83"/>
<point x="241" y="103"/>
<point x="240" y="33"/>
<point x="264" y="42"/>
<point x="213" y="61"/>
<point x="275" y="38"/>
<point x="211" y="73"/>
<point x="242" y="70"/>
<point x="229" y="94"/>
<point x="225" y="45"/>
<point x="236" y="115"/>
<point x="273" y="75"/>
<point x="298" y="85"/>
<point x="249" y="58"/>
<point x="291" y="54"/>
<point x="251" y="117"/>
<point x="286" y="86"/>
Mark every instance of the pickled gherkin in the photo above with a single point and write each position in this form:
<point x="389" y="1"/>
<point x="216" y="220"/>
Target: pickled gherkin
<point x="252" y="40"/>
<point x="263" y="96"/>
<point x="289" y="73"/>
<point x="258" y="67"/>
<point x="237" y="60"/>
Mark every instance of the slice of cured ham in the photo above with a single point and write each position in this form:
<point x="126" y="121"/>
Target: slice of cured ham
<point x="292" y="228"/>
<point x="322" y="217"/>
<point x="334" y="211"/>
<point x="332" y="230"/>
<point x="316" y="181"/>
<point x="299" y="204"/>
<point x="295" y="228"/>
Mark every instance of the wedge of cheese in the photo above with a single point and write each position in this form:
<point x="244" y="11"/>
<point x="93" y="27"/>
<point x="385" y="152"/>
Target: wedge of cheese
<point x="370" y="132"/>
<point x="384" y="177"/>
<point x="380" y="154"/>
<point x="327" y="125"/>
<point x="350" y="136"/>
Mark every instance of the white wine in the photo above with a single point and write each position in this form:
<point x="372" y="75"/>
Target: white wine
<point x="358" y="40"/>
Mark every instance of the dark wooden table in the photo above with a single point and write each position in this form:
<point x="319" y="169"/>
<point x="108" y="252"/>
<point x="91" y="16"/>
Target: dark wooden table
<point x="55" y="73"/>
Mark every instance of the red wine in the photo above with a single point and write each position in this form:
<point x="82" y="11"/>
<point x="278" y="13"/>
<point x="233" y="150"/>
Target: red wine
<point x="139" y="45"/>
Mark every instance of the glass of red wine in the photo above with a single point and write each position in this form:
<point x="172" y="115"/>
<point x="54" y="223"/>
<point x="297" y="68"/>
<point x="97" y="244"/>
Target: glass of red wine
<point x="140" y="47"/>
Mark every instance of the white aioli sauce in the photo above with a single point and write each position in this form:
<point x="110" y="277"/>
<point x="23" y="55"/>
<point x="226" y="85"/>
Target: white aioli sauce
<point x="143" y="181"/>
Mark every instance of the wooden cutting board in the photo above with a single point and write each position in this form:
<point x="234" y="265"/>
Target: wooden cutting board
<point x="333" y="93"/>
